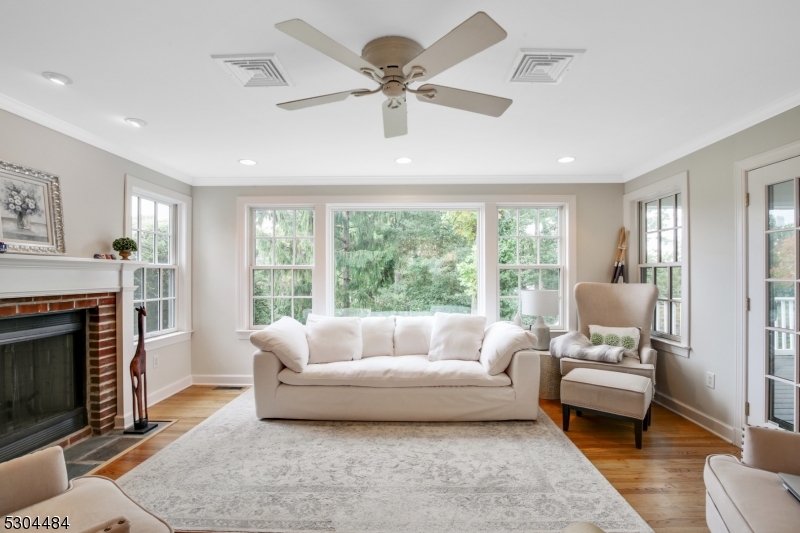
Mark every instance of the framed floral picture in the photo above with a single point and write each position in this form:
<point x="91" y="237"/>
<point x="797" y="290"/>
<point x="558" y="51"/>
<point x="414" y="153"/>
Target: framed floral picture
<point x="31" y="221"/>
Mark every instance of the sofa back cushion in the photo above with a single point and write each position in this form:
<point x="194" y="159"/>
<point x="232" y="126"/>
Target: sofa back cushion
<point x="500" y="342"/>
<point x="456" y="336"/>
<point x="286" y="338"/>
<point x="412" y="335"/>
<point x="332" y="339"/>
<point x="377" y="334"/>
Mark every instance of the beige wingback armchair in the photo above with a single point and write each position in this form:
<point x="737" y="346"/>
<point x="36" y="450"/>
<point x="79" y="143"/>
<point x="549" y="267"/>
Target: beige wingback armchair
<point x="37" y="485"/>
<point x="617" y="305"/>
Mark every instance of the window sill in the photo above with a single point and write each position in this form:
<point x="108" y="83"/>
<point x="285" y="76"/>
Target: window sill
<point x="244" y="334"/>
<point x="154" y="343"/>
<point x="669" y="346"/>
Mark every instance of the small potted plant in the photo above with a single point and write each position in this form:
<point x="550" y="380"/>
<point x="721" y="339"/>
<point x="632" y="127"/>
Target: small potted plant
<point x="124" y="246"/>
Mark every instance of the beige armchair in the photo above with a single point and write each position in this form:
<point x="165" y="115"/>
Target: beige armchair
<point x="37" y="485"/>
<point x="748" y="496"/>
<point x="617" y="305"/>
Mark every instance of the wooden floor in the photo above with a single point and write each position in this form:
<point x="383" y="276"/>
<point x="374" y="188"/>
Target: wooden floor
<point x="663" y="481"/>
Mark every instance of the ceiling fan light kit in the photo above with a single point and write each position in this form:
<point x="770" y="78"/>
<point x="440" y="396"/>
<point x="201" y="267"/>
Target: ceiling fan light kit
<point x="395" y="63"/>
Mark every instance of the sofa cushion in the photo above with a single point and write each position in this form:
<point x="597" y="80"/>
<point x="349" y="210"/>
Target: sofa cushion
<point x="412" y="335"/>
<point x="501" y="341"/>
<point x="286" y="338"/>
<point x="749" y="499"/>
<point x="384" y="371"/>
<point x="332" y="339"/>
<point x="377" y="334"/>
<point x="456" y="336"/>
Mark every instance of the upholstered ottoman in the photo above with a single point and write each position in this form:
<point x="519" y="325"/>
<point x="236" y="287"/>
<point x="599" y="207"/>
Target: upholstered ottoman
<point x="612" y="394"/>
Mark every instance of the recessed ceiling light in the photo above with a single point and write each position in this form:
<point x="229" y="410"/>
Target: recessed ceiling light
<point x="403" y="160"/>
<point x="567" y="159"/>
<point x="57" y="78"/>
<point x="136" y="122"/>
<point x="247" y="162"/>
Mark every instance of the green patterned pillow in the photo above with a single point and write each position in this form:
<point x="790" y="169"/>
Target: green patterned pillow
<point x="597" y="339"/>
<point x="628" y="338"/>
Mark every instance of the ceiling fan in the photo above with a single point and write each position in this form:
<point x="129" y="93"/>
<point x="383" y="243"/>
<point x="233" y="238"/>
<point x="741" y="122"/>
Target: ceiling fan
<point x="397" y="62"/>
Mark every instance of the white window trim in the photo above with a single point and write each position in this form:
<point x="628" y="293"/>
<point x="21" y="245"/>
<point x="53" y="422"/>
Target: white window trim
<point x="182" y="249"/>
<point x="679" y="183"/>
<point x="488" y="288"/>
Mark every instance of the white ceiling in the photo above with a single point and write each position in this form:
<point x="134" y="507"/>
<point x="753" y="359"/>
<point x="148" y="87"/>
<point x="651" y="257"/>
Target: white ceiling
<point x="658" y="79"/>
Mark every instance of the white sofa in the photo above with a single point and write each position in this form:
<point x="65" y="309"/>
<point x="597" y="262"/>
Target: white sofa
<point x="406" y="387"/>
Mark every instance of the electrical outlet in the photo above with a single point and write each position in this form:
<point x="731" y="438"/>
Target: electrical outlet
<point x="155" y="361"/>
<point x="710" y="380"/>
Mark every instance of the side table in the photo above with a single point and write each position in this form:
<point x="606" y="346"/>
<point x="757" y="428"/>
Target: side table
<point x="550" y="380"/>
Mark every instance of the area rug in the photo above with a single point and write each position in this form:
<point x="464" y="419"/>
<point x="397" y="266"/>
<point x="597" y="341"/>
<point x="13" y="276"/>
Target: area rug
<point x="235" y="472"/>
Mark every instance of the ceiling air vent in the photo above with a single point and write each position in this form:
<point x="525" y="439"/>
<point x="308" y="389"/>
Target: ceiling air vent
<point x="543" y="65"/>
<point x="254" y="70"/>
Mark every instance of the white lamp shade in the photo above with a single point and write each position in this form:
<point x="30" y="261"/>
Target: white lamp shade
<point x="540" y="303"/>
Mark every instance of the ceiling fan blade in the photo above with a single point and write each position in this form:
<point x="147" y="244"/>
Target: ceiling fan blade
<point x="317" y="100"/>
<point x="474" y="35"/>
<point x="485" y="104"/>
<point x="395" y="120"/>
<point x="317" y="40"/>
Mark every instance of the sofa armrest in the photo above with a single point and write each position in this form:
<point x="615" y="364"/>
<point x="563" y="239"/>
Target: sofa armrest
<point x="119" y="524"/>
<point x="266" y="367"/>
<point x="31" y="479"/>
<point x="647" y="355"/>
<point x="524" y="371"/>
<point x="772" y="450"/>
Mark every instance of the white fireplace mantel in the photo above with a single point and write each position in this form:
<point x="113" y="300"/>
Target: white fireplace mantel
<point x="24" y="276"/>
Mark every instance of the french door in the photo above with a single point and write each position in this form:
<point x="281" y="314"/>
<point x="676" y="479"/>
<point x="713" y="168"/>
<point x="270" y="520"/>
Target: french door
<point x="773" y="286"/>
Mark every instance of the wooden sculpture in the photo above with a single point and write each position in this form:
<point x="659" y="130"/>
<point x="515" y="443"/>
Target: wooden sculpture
<point x="139" y="381"/>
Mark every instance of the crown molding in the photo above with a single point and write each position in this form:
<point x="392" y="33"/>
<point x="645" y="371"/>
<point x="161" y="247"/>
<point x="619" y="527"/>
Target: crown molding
<point x="747" y="121"/>
<point x="40" y="117"/>
<point x="406" y="180"/>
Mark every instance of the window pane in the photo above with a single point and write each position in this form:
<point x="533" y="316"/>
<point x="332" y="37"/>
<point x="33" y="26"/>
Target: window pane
<point x="662" y="317"/>
<point x="262" y="282"/>
<point x="148" y="215"/>
<point x="134" y="212"/>
<point x="304" y="252"/>
<point x="281" y="307"/>
<point x="282" y="283"/>
<point x="781" y="305"/>
<point x="167" y="314"/>
<point x="264" y="222"/>
<point x="527" y="222"/>
<point x="652" y="248"/>
<point x="548" y="251"/>
<point x="781" y="404"/>
<point x="662" y="282"/>
<point x="679" y="245"/>
<point x="507" y="251"/>
<point x="647" y="275"/>
<point x="781" y="255"/>
<point x="284" y="223"/>
<point x="676" y="283"/>
<point x="284" y="254"/>
<point x="151" y="283"/>
<point x="135" y="255"/>
<point x="678" y="211"/>
<point x="507" y="225"/>
<point x="163" y="249"/>
<point x="651" y="215"/>
<point x="262" y="312"/>
<point x="136" y="305"/>
<point x="164" y="218"/>
<point x="146" y="248"/>
<point x="152" y="320"/>
<point x="302" y="283"/>
<point x="781" y="205"/>
<point x="675" y="327"/>
<point x="508" y="309"/>
<point x="167" y="283"/>
<point x="304" y="220"/>
<point x="527" y="251"/>
<point x="551" y="279"/>
<point x="509" y="280"/>
<point x="264" y="252"/>
<point x="668" y="246"/>
<point x="781" y="354"/>
<point x="302" y="307"/>
<point x="138" y="280"/>
<point x="548" y="221"/>
<point x="530" y="279"/>
<point x="668" y="212"/>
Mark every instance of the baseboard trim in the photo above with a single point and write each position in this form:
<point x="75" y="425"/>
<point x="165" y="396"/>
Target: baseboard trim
<point x="165" y="392"/>
<point x="720" y="429"/>
<point x="223" y="379"/>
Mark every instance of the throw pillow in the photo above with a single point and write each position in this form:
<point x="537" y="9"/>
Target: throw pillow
<point x="500" y="342"/>
<point x="377" y="333"/>
<point x="332" y="339"/>
<point x="412" y="335"/>
<point x="286" y="338"/>
<point x="456" y="336"/>
<point x="627" y="338"/>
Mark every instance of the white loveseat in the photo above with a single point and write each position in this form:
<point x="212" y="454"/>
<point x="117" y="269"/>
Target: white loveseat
<point x="402" y="384"/>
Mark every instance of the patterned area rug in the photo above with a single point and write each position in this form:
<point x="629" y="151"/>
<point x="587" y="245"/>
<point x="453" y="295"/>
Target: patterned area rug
<point x="235" y="472"/>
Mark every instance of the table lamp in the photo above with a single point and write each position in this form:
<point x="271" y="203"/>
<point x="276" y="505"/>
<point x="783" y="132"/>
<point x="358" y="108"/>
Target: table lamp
<point x="539" y="304"/>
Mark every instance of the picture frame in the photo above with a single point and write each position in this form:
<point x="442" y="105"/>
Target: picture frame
<point x="31" y="219"/>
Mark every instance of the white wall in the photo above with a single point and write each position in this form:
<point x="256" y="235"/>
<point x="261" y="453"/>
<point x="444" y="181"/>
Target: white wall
<point x="93" y="195"/>
<point x="681" y="381"/>
<point x="220" y="357"/>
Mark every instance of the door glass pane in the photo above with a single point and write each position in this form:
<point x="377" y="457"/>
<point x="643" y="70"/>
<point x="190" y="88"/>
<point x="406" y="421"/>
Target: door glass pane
<point x="781" y="354"/>
<point x="781" y="404"/>
<point x="781" y="305"/>
<point x="668" y="246"/>
<point x="662" y="282"/>
<point x="652" y="248"/>
<point x="668" y="212"/>
<point x="781" y="255"/>
<point x="651" y="215"/>
<point x="781" y="205"/>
